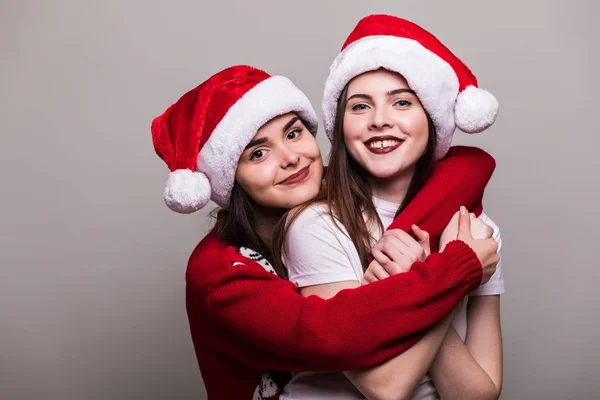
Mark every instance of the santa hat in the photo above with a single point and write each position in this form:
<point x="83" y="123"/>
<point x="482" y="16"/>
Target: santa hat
<point x="445" y="86"/>
<point x="202" y="136"/>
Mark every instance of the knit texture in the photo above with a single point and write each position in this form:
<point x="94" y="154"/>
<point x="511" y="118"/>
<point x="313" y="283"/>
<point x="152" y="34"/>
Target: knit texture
<point x="246" y="321"/>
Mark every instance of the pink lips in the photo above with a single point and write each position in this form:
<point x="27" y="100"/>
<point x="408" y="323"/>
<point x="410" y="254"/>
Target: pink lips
<point x="297" y="177"/>
<point x="383" y="150"/>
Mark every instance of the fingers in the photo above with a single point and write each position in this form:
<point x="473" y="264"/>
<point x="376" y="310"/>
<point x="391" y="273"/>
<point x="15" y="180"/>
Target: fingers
<point x="464" y="224"/>
<point x="378" y="271"/>
<point x="423" y="238"/>
<point x="400" y="235"/>
<point x="406" y="243"/>
<point x="391" y="248"/>
<point x="387" y="264"/>
<point x="374" y="273"/>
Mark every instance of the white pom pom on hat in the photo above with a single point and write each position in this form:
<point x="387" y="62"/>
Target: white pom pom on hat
<point x="445" y="86"/>
<point x="475" y="110"/>
<point x="202" y="136"/>
<point x="187" y="191"/>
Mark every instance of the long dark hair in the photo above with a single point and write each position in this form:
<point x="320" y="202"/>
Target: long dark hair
<point x="237" y="225"/>
<point x="348" y="192"/>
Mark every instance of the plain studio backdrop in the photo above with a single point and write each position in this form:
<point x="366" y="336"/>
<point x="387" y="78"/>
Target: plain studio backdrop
<point x="92" y="262"/>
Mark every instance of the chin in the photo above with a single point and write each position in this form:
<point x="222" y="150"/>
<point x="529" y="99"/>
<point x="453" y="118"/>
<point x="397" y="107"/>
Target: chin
<point x="296" y="197"/>
<point x="385" y="171"/>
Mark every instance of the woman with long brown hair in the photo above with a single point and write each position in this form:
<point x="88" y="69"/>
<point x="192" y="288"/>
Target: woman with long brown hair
<point x="245" y="140"/>
<point x="392" y="101"/>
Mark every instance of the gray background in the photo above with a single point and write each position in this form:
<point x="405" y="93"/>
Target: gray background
<point x="92" y="263"/>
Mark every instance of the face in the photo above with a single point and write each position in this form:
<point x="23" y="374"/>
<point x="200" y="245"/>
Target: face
<point x="385" y="126"/>
<point x="281" y="167"/>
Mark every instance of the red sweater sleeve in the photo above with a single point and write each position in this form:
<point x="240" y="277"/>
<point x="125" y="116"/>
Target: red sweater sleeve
<point x="261" y="319"/>
<point x="459" y="179"/>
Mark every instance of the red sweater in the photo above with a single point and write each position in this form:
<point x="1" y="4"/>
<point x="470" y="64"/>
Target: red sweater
<point x="246" y="321"/>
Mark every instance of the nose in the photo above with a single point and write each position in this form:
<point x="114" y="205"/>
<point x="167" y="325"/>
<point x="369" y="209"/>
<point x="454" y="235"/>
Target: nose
<point x="289" y="157"/>
<point x="380" y="119"/>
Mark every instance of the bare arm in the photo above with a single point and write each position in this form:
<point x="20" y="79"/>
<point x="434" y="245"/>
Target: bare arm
<point x="472" y="369"/>
<point x="398" y="377"/>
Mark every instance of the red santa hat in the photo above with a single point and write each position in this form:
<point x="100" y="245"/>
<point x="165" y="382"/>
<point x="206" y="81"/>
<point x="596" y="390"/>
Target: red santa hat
<point x="445" y="86"/>
<point x="202" y="136"/>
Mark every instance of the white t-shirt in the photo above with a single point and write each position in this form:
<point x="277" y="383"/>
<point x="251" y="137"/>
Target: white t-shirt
<point x="319" y="251"/>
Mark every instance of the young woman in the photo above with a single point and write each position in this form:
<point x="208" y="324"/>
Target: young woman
<point x="245" y="140"/>
<point x="395" y="96"/>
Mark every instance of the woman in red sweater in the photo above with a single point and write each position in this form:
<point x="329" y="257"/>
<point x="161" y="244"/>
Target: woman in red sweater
<point x="246" y="322"/>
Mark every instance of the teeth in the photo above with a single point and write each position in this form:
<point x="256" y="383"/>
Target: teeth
<point x="382" y="144"/>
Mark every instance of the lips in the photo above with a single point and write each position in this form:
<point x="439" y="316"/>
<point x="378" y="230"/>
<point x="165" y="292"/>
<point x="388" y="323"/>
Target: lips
<point x="297" y="177"/>
<point x="383" y="144"/>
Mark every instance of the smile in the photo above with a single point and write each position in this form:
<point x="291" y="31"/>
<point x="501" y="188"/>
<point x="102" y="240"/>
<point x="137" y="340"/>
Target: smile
<point x="383" y="144"/>
<point x="297" y="177"/>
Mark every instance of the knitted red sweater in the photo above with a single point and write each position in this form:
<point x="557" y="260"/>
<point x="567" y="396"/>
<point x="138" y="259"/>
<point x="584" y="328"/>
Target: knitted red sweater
<point x="246" y="321"/>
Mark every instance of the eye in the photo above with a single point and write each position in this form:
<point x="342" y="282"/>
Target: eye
<point x="258" y="154"/>
<point x="294" y="133"/>
<point x="403" y="103"/>
<point x="360" y="107"/>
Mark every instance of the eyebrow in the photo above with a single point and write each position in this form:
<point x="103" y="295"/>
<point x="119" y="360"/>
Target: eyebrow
<point x="290" y="123"/>
<point x="262" y="140"/>
<point x="389" y="93"/>
<point x="256" y="142"/>
<point x="398" y="91"/>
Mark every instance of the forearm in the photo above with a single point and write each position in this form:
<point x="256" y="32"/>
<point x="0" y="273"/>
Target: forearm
<point x="398" y="377"/>
<point x="457" y="374"/>
<point x="443" y="194"/>
<point x="357" y="328"/>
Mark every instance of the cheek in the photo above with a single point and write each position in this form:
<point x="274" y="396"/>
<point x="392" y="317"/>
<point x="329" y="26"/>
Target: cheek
<point x="418" y="127"/>
<point x="255" y="179"/>
<point x="353" y="134"/>
<point x="352" y="127"/>
<point x="312" y="149"/>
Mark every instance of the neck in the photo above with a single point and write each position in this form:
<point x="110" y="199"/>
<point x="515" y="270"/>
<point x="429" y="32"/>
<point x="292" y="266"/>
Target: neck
<point x="394" y="188"/>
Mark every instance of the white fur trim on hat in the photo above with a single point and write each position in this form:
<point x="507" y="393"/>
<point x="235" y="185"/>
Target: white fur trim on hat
<point x="186" y="191"/>
<point x="433" y="79"/>
<point x="220" y="154"/>
<point x="475" y="110"/>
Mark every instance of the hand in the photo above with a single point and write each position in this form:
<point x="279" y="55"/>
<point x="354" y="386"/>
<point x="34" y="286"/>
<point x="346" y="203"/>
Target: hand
<point x="395" y="252"/>
<point x="479" y="230"/>
<point x="485" y="249"/>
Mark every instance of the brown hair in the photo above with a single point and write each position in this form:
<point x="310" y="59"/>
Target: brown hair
<point x="237" y="225"/>
<point x="348" y="194"/>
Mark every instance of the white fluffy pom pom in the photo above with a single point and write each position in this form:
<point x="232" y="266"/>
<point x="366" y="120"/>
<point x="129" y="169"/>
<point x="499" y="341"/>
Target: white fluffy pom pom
<point x="475" y="110"/>
<point x="187" y="191"/>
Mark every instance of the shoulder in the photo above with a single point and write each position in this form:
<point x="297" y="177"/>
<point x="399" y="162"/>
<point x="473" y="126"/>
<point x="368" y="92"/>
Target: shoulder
<point x="317" y="251"/>
<point x="311" y="220"/>
<point x="213" y="260"/>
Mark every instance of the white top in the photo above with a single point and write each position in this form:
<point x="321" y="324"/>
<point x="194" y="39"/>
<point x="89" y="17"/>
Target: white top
<point x="319" y="251"/>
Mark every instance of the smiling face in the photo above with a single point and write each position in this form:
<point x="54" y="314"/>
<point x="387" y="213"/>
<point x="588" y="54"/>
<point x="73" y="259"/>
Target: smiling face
<point x="385" y="126"/>
<point x="281" y="167"/>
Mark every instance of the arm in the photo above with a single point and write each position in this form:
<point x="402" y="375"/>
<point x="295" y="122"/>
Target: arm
<point x="473" y="369"/>
<point x="443" y="193"/>
<point x="275" y="327"/>
<point x="265" y="319"/>
<point x="398" y="377"/>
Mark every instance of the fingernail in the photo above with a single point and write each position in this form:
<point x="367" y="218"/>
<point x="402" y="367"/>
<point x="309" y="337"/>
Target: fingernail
<point x="463" y="210"/>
